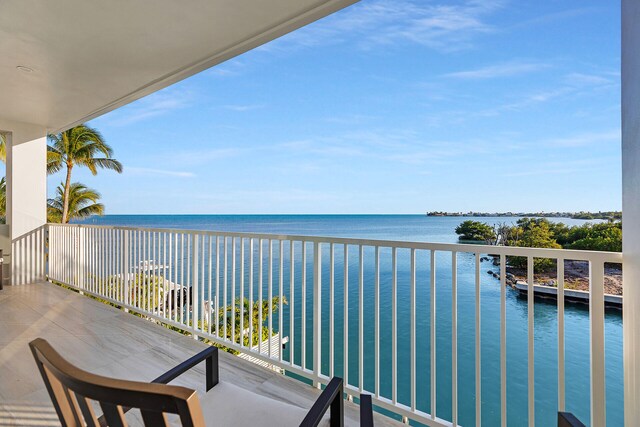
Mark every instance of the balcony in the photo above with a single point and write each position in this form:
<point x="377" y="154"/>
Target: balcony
<point x="420" y="326"/>
<point x="104" y="340"/>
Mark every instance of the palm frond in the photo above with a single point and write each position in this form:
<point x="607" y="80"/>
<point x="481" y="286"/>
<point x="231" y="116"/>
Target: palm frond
<point x="81" y="146"/>
<point x="82" y="202"/>
<point x="3" y="148"/>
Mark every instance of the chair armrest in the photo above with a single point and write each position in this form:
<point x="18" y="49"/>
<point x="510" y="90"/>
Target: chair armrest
<point x="331" y="397"/>
<point x="567" y="419"/>
<point x="366" y="411"/>
<point x="210" y="355"/>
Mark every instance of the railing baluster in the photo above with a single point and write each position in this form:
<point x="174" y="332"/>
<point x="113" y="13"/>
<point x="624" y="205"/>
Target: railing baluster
<point x="195" y="284"/>
<point x="224" y="289"/>
<point x="188" y="283"/>
<point x="149" y="280"/>
<point x="432" y="297"/>
<point x="241" y="292"/>
<point x="530" y="336"/>
<point x="201" y="301"/>
<point x="280" y="296"/>
<point x="360" y="317"/>
<point x="376" y="322"/>
<point x="394" y="325"/>
<point x="560" y="301"/>
<point x="303" y="310"/>
<point x="126" y="267"/>
<point x="217" y="304"/>
<point x="250" y="293"/>
<point x="165" y="268"/>
<point x="233" y="291"/>
<point x="176" y="285"/>
<point x="183" y="283"/>
<point x="317" y="312"/>
<point x="596" y="326"/>
<point x="332" y="273"/>
<point x="261" y="282"/>
<point x="292" y="287"/>
<point x="454" y="338"/>
<point x="346" y="316"/>
<point x="478" y="346"/>
<point x="503" y="341"/>
<point x="412" y="327"/>
<point x="210" y="271"/>
<point x="112" y="265"/>
<point x="270" y="293"/>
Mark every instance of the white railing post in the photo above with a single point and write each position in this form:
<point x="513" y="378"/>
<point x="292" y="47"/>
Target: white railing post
<point x="317" y="312"/>
<point x="125" y="268"/>
<point x="596" y="327"/>
<point x="195" y="253"/>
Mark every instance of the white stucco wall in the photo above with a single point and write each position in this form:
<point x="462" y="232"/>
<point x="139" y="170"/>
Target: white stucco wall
<point x="631" y="207"/>
<point x="26" y="199"/>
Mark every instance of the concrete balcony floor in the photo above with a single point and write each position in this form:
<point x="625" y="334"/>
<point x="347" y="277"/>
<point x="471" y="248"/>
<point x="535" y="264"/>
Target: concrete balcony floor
<point x="107" y="341"/>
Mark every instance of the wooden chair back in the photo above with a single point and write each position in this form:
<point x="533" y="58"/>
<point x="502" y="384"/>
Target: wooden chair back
<point x="73" y="392"/>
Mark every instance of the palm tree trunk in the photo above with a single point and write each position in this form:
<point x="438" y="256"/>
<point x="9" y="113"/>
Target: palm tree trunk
<point x="65" y="201"/>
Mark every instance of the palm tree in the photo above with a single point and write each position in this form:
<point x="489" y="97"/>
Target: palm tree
<point x="78" y="146"/>
<point x="3" y="200"/>
<point x="81" y="203"/>
<point x="3" y="149"/>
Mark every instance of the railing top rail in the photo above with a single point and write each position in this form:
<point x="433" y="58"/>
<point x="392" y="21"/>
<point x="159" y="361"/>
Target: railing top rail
<point x="560" y="254"/>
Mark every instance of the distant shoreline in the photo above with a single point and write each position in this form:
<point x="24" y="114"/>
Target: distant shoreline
<point x="613" y="215"/>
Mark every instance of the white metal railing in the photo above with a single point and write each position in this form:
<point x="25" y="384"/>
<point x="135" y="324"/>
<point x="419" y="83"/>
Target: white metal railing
<point x="191" y="279"/>
<point x="27" y="258"/>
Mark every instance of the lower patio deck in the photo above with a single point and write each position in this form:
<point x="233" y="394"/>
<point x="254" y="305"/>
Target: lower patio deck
<point x="107" y="341"/>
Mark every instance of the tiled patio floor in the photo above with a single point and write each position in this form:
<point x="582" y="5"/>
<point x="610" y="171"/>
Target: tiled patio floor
<point x="107" y="341"/>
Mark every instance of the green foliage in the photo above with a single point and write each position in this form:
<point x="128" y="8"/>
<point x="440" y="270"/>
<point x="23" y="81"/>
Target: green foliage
<point x="475" y="230"/>
<point x="78" y="146"/>
<point x="536" y="233"/>
<point x="3" y="199"/>
<point x="82" y="202"/>
<point x="242" y="309"/>
<point x="541" y="233"/>
<point x="605" y="236"/>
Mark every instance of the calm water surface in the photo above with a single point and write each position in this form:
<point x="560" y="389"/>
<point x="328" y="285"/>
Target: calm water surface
<point x="434" y="229"/>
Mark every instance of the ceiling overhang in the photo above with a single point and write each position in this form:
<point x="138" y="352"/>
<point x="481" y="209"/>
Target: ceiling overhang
<point x="89" y="57"/>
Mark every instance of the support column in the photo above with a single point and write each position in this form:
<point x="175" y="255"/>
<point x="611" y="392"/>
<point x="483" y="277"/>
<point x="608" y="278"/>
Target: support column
<point x="26" y="177"/>
<point x="631" y="207"/>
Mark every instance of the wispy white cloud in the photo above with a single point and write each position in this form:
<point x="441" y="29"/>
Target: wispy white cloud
<point x="403" y="146"/>
<point x="581" y="79"/>
<point x="242" y="108"/>
<point x="154" y="105"/>
<point x="555" y="17"/>
<point x="193" y="157"/>
<point x="564" y="167"/>
<point x="506" y="69"/>
<point x="584" y="139"/>
<point x="232" y="67"/>
<point x="442" y="26"/>
<point x="159" y="172"/>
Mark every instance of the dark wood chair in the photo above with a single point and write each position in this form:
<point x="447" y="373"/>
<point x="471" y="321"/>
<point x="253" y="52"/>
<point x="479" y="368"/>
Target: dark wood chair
<point x="567" y="419"/>
<point x="76" y="393"/>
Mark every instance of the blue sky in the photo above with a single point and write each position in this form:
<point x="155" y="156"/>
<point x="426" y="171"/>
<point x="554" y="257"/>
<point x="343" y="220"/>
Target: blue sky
<point x="387" y="107"/>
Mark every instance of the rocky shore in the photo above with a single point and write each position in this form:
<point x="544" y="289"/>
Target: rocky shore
<point x="576" y="276"/>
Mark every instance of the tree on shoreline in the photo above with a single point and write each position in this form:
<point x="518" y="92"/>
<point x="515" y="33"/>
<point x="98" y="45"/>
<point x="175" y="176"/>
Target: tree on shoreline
<point x="476" y="231"/>
<point x="542" y="233"/>
<point x="78" y="146"/>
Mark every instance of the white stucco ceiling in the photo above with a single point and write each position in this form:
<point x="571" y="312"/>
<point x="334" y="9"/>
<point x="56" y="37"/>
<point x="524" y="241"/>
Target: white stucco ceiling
<point x="92" y="56"/>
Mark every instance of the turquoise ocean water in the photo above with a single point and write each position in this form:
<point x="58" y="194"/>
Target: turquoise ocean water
<point x="437" y="229"/>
